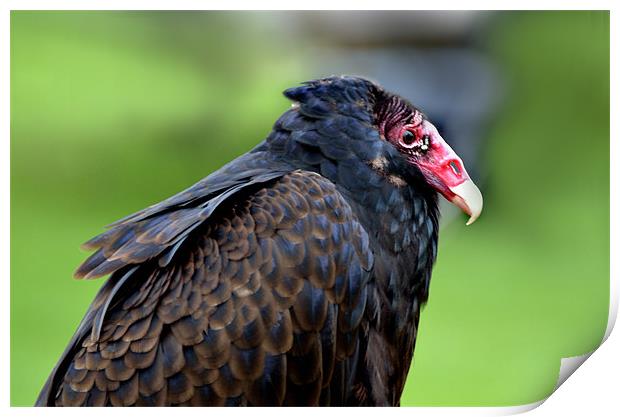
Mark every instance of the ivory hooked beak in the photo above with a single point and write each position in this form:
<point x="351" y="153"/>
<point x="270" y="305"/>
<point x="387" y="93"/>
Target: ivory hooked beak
<point x="468" y="198"/>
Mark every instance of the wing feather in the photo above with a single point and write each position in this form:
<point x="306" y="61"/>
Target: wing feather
<point x="263" y="305"/>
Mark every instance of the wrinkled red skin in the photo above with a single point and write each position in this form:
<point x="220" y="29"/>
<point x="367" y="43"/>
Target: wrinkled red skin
<point x="440" y="165"/>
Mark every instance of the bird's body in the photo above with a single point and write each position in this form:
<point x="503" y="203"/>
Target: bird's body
<point x="294" y="275"/>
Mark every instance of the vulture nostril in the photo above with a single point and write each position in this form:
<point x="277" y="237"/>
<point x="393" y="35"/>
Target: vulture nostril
<point x="455" y="168"/>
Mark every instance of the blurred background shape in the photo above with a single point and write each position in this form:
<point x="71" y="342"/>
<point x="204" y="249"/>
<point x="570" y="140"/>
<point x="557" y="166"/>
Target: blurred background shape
<point x="114" y="111"/>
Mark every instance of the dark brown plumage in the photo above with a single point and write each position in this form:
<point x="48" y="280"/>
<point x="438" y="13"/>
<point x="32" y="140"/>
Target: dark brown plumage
<point x="292" y="276"/>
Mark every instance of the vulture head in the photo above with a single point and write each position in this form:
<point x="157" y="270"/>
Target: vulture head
<point x="418" y="141"/>
<point x="402" y="144"/>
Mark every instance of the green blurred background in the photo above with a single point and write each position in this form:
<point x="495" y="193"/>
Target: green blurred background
<point x="114" y="111"/>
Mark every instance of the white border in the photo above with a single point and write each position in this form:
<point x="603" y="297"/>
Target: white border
<point x="596" y="382"/>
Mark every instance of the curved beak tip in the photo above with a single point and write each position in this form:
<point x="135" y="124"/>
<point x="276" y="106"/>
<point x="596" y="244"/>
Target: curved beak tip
<point x="471" y="220"/>
<point x="469" y="198"/>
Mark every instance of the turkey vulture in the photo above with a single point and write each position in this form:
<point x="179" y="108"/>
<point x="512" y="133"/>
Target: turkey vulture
<point x="293" y="275"/>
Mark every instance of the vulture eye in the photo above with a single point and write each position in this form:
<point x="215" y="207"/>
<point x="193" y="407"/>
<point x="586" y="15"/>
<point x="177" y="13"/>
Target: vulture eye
<point x="408" y="138"/>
